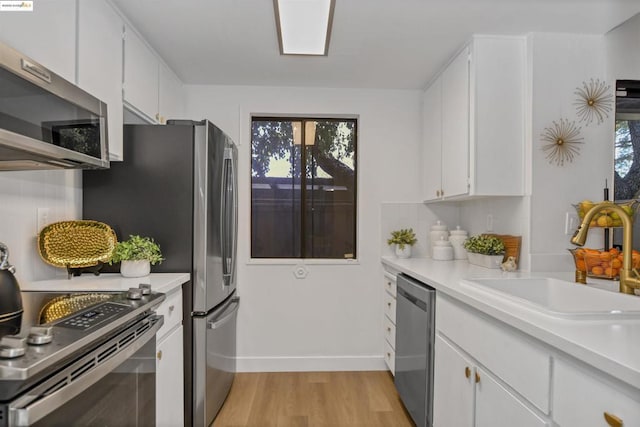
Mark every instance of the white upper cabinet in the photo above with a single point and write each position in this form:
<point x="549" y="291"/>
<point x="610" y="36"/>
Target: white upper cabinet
<point x="47" y="35"/>
<point x="151" y="89"/>
<point x="140" y="76"/>
<point x="477" y="128"/>
<point x="432" y="132"/>
<point x="100" y="31"/>
<point x="171" y="97"/>
<point x="455" y="126"/>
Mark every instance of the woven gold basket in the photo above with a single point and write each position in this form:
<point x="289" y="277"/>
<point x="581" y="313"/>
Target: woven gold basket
<point x="76" y="244"/>
<point x="65" y="305"/>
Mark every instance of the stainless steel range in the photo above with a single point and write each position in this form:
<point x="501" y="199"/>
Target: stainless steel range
<point x="81" y="359"/>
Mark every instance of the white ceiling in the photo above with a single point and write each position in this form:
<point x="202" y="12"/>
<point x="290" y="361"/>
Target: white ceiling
<point x="390" y="44"/>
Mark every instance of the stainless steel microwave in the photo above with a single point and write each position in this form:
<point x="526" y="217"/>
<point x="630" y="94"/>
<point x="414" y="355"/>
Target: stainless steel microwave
<point x="46" y="122"/>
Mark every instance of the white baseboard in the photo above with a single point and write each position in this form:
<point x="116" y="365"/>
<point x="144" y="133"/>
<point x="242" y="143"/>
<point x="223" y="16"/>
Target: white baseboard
<point x="310" y="364"/>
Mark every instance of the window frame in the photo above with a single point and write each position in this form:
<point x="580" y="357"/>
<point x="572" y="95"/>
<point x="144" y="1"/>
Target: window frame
<point x="307" y="260"/>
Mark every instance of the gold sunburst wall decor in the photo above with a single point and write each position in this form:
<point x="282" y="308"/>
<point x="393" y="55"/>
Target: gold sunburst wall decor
<point x="594" y="101"/>
<point x="561" y="142"/>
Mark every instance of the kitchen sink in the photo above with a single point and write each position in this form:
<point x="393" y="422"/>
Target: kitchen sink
<point x="560" y="298"/>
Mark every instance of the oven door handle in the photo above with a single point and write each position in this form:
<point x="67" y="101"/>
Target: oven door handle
<point x="36" y="404"/>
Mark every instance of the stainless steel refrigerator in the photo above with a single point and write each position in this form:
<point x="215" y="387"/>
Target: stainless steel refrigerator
<point x="178" y="184"/>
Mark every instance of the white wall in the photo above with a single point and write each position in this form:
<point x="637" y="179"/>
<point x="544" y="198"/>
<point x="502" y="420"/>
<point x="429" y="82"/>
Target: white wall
<point x="332" y="319"/>
<point x="21" y="194"/>
<point x="559" y="65"/>
<point x="623" y="55"/>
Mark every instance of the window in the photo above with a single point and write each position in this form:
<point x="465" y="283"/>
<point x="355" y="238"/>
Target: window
<point x="303" y="188"/>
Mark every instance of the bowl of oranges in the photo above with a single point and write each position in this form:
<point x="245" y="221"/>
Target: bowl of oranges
<point x="606" y="217"/>
<point x="602" y="264"/>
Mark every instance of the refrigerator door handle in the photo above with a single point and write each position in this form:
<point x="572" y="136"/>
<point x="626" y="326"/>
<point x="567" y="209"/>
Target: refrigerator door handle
<point x="224" y="223"/>
<point x="234" y="221"/>
<point x="231" y="310"/>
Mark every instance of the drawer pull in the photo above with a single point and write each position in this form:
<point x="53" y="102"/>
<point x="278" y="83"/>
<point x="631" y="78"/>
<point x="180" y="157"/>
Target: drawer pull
<point x="477" y="377"/>
<point x="171" y="308"/>
<point x="612" y="420"/>
<point x="467" y="372"/>
<point x="389" y="304"/>
<point x="388" y="329"/>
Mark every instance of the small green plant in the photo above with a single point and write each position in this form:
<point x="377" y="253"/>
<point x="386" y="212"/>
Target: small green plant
<point x="402" y="237"/>
<point x="483" y="244"/>
<point x="135" y="249"/>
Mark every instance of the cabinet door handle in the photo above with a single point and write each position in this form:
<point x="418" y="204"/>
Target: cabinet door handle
<point x="171" y="308"/>
<point x="159" y="354"/>
<point x="388" y="329"/>
<point x="612" y="420"/>
<point x="477" y="377"/>
<point x="467" y="372"/>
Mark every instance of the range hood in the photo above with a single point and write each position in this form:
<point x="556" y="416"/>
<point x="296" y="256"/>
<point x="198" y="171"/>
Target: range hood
<point x="46" y="122"/>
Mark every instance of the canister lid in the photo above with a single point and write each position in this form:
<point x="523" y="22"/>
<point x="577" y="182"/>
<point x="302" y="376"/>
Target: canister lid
<point x="458" y="232"/>
<point x="439" y="226"/>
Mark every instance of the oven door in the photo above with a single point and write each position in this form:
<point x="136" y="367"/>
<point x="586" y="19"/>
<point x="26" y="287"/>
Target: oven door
<point x="113" y="385"/>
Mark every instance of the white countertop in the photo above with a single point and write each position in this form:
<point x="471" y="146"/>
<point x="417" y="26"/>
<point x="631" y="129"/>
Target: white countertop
<point x="160" y="282"/>
<point x="612" y="346"/>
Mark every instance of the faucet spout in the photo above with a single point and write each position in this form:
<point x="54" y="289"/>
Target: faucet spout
<point x="629" y="278"/>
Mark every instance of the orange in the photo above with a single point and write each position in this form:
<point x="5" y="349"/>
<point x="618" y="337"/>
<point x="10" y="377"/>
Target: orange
<point x="597" y="270"/>
<point x="610" y="272"/>
<point x="614" y="251"/>
<point x="605" y="256"/>
<point x="580" y="265"/>
<point x="616" y="263"/>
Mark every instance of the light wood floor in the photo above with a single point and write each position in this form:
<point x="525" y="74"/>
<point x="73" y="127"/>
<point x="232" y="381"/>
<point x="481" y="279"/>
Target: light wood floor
<point x="327" y="399"/>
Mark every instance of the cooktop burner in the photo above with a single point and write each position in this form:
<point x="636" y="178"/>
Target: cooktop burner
<point x="39" y="348"/>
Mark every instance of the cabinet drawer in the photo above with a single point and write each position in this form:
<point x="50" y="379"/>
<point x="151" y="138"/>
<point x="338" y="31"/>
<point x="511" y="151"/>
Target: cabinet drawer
<point x="507" y="353"/>
<point x="390" y="307"/>
<point x="390" y="357"/>
<point x="390" y="283"/>
<point x="171" y="309"/>
<point x="390" y="332"/>
<point x="581" y="399"/>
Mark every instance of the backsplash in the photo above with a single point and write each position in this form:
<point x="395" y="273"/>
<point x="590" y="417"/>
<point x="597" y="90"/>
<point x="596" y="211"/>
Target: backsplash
<point x="22" y="194"/>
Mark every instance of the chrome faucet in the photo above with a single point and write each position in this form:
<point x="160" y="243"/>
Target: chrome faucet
<point x="629" y="277"/>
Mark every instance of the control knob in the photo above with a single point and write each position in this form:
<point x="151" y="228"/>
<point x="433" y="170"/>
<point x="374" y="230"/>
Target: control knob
<point x="40" y="335"/>
<point x="134" y="293"/>
<point x="12" y="346"/>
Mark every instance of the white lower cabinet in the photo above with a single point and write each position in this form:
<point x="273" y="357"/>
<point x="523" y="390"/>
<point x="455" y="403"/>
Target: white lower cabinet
<point x="487" y="374"/>
<point x="389" y="322"/>
<point x="460" y="386"/>
<point x="170" y="363"/>
<point x="582" y="399"/>
<point x="170" y="380"/>
<point x="453" y="387"/>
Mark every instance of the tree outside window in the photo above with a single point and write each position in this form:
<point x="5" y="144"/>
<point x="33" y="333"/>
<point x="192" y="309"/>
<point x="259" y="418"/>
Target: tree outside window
<point x="303" y="192"/>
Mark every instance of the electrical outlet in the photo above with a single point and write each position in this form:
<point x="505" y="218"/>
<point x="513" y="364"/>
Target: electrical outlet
<point x="43" y="218"/>
<point x="489" y="222"/>
<point x="570" y="222"/>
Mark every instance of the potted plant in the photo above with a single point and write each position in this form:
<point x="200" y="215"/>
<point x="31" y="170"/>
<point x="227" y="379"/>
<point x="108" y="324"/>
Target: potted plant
<point x="484" y="250"/>
<point x="403" y="239"/>
<point x="136" y="256"/>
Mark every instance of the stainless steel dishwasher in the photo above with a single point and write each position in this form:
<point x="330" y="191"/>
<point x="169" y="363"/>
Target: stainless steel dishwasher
<point x="415" y="332"/>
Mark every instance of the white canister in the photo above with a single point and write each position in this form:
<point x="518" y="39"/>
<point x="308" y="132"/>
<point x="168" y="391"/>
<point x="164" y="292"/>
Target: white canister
<point x="457" y="239"/>
<point x="438" y="230"/>
<point x="442" y="250"/>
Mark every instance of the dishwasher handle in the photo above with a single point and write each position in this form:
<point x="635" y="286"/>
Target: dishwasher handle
<point x="422" y="305"/>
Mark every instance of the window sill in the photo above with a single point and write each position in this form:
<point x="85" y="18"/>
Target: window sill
<point x="301" y="261"/>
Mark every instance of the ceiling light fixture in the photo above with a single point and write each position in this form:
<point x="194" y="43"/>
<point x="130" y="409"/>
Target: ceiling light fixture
<point x="304" y="26"/>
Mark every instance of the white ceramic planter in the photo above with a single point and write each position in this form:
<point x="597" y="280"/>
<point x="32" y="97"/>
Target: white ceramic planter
<point x="403" y="253"/>
<point x="487" y="261"/>
<point x="139" y="268"/>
